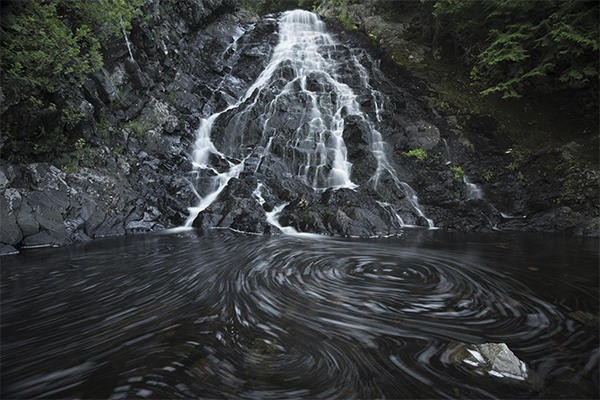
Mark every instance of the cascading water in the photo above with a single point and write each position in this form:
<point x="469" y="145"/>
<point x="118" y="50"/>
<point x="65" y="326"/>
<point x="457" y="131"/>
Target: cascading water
<point x="298" y="68"/>
<point x="473" y="191"/>
<point x="127" y="40"/>
<point x="296" y="108"/>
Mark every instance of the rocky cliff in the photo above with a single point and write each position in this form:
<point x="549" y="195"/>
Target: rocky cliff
<point x="140" y="115"/>
<point x="195" y="58"/>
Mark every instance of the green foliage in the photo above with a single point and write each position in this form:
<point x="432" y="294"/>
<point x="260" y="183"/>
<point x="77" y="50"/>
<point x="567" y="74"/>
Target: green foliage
<point x="171" y="97"/>
<point x="512" y="166"/>
<point x="488" y="175"/>
<point x="49" y="47"/>
<point x="458" y="171"/>
<point x="141" y="125"/>
<point x="347" y="22"/>
<point x="513" y="44"/>
<point x="418" y="152"/>
<point x="103" y="127"/>
<point x="263" y="7"/>
<point x="70" y="161"/>
<point x="53" y="45"/>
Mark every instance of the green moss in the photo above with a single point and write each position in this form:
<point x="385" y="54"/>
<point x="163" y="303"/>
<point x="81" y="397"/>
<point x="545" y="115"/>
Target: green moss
<point x="418" y="152"/>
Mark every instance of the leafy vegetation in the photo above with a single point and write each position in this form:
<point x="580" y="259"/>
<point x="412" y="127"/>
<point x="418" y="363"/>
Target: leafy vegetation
<point x="418" y="152"/>
<point x="263" y="7"/>
<point x="54" y="45"/>
<point x="458" y="171"/>
<point x="48" y="50"/>
<point x="515" y="44"/>
<point x="488" y="175"/>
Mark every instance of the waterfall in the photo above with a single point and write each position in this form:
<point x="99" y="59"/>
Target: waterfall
<point x="319" y="152"/>
<point x="473" y="191"/>
<point x="447" y="153"/>
<point x="295" y="107"/>
<point x="126" y="40"/>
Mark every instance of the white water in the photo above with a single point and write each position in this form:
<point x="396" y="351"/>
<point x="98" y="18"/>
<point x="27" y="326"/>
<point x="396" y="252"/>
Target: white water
<point x="318" y="146"/>
<point x="307" y="60"/>
<point x="273" y="217"/>
<point x="127" y="40"/>
<point x="473" y="191"/>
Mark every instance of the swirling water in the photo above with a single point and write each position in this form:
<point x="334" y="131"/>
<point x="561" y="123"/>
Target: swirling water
<point x="227" y="315"/>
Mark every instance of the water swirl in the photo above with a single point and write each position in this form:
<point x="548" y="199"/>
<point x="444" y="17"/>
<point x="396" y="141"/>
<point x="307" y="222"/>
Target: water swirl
<point x="228" y="315"/>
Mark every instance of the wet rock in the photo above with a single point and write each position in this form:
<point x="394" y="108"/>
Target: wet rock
<point x="184" y="71"/>
<point x="342" y="212"/>
<point x="494" y="361"/>
<point x="197" y="13"/>
<point x="10" y="201"/>
<point x="236" y="208"/>
<point x="106" y="89"/>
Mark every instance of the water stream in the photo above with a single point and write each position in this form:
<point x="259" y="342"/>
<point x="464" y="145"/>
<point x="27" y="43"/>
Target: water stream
<point x="300" y="100"/>
<point x="225" y="315"/>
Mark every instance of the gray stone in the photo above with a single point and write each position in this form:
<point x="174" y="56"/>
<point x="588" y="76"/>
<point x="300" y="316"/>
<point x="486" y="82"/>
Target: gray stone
<point x="495" y="361"/>
<point x="6" y="249"/>
<point x="94" y="222"/>
<point x="40" y="239"/>
<point x="48" y="208"/>
<point x="91" y="94"/>
<point x="26" y="220"/>
<point x="423" y="134"/>
<point x="9" y="232"/>
<point x="47" y="176"/>
<point x="106" y="89"/>
<point x="3" y="181"/>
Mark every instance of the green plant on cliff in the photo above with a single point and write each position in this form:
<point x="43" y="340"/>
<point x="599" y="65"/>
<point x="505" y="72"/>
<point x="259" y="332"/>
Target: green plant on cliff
<point x="513" y="44"/>
<point x="48" y="49"/>
<point x="54" y="45"/>
<point x="458" y="171"/>
<point x="418" y="152"/>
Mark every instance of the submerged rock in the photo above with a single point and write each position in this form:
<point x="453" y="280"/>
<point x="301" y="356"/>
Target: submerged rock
<point x="495" y="361"/>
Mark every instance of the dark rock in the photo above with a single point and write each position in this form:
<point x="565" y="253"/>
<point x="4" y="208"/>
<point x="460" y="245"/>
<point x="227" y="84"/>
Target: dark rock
<point x="197" y="13"/>
<point x="106" y="89"/>
<point x="91" y="94"/>
<point x="26" y="220"/>
<point x="10" y="202"/>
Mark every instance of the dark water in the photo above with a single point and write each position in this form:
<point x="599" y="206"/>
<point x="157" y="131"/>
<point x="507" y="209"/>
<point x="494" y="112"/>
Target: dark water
<point x="225" y="315"/>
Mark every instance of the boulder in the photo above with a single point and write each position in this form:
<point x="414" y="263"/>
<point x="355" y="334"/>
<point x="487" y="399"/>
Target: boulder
<point x="493" y="361"/>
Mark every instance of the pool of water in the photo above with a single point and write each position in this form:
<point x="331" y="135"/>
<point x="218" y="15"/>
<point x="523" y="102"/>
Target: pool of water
<point x="227" y="315"/>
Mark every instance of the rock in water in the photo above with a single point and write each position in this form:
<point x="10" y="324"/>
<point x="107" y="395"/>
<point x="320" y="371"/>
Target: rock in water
<point x="495" y="361"/>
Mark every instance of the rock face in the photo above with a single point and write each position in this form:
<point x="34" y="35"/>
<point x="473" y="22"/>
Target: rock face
<point x="141" y="117"/>
<point x="493" y="361"/>
<point x="139" y="120"/>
